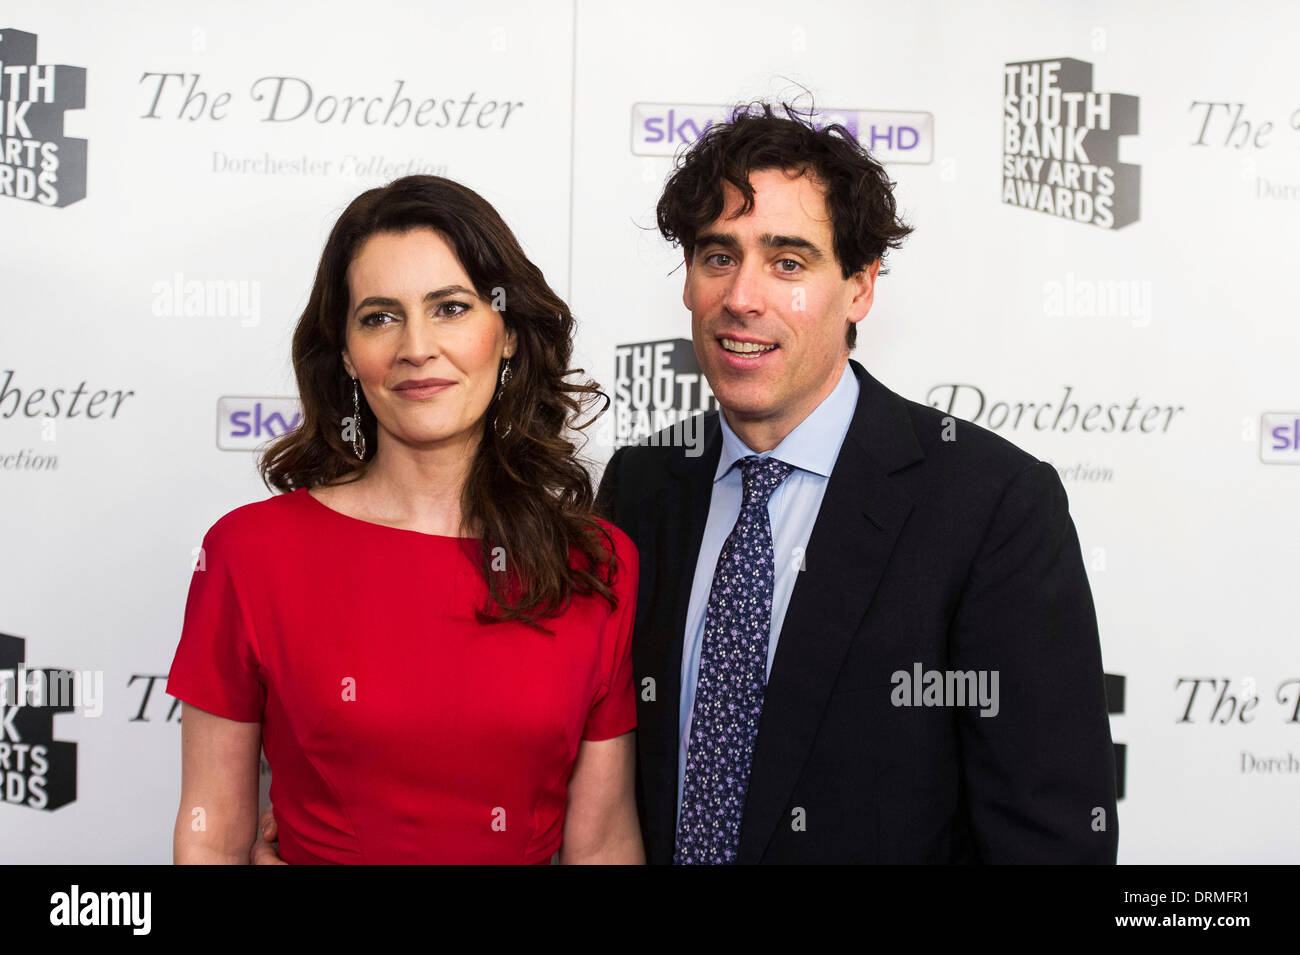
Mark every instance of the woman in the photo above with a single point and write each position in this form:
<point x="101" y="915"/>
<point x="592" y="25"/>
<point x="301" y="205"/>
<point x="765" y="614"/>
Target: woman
<point x="429" y="632"/>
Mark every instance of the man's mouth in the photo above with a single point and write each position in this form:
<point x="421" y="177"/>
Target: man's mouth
<point x="737" y="347"/>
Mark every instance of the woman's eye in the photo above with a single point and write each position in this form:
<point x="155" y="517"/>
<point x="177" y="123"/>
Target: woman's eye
<point x="452" y="309"/>
<point x="374" y="319"/>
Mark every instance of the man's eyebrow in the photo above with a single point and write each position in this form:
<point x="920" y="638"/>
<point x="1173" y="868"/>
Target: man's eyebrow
<point x="433" y="296"/>
<point x="771" y="241"/>
<point x="724" y="239"/>
<point x="768" y="240"/>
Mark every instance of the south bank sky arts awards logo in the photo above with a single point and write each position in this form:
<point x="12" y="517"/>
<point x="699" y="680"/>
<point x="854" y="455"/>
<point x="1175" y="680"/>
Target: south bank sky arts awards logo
<point x="659" y="385"/>
<point x="38" y="770"/>
<point x="1060" y="144"/>
<point x="38" y="163"/>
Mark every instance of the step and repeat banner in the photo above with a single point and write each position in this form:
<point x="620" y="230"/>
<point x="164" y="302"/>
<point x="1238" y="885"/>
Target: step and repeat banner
<point x="1106" y="199"/>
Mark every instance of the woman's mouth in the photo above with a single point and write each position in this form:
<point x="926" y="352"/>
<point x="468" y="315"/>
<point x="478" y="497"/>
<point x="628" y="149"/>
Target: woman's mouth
<point x="419" y="389"/>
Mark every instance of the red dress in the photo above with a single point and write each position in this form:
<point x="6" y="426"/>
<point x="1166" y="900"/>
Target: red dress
<point x="398" y="729"/>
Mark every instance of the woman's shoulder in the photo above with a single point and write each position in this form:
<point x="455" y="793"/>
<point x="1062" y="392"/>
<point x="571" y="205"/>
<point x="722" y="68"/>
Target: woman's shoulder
<point x="625" y="552"/>
<point x="259" y="519"/>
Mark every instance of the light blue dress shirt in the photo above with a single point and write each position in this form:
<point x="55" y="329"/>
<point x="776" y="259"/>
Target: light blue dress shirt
<point x="812" y="447"/>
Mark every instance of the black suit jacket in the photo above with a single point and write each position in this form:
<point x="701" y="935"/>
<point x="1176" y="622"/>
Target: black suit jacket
<point x="952" y="550"/>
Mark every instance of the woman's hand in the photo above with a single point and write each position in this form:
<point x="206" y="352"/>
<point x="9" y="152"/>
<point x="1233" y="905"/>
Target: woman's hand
<point x="266" y="849"/>
<point x="600" y="823"/>
<point x="218" y="810"/>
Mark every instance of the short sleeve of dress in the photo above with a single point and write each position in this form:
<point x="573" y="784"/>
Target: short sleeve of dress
<point x="216" y="666"/>
<point x="614" y="711"/>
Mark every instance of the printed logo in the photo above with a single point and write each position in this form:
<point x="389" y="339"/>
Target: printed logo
<point x="38" y="771"/>
<point x="1115" y="705"/>
<point x="1060" y="152"/>
<point x="37" y="162"/>
<point x="659" y="385"/>
<point x="1063" y="414"/>
<point x="661" y="129"/>
<point x="246" y="424"/>
<point x="147" y="682"/>
<point x="1279" y="433"/>
<point x="1226" y="703"/>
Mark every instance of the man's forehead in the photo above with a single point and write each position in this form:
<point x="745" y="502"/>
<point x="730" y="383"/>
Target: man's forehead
<point x="780" y="196"/>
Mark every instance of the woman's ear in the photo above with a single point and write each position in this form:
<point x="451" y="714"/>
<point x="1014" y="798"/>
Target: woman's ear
<point x="511" y="344"/>
<point x="347" y="364"/>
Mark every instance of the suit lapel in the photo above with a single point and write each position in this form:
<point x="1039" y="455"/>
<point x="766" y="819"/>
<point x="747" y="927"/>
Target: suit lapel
<point x="860" y="518"/>
<point x="674" y="519"/>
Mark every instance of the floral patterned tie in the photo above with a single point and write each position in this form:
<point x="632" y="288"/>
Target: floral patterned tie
<point x="732" y="678"/>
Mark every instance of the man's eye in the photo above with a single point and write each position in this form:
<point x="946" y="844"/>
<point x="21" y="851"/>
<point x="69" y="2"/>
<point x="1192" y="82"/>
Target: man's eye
<point x="718" y="255"/>
<point x="784" y="262"/>
<point x="373" y="319"/>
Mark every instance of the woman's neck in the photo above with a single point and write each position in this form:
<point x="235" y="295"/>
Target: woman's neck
<point x="417" y="488"/>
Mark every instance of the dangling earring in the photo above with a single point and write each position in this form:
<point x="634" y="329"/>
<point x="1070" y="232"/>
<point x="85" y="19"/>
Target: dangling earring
<point x="506" y="375"/>
<point x="360" y="452"/>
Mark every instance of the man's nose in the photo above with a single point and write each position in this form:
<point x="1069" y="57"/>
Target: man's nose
<point x="745" y="293"/>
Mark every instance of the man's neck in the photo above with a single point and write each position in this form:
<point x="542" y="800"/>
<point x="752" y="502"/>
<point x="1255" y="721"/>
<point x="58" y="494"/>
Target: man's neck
<point x="761" y="435"/>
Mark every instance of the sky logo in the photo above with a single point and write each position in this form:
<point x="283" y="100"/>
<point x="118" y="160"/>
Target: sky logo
<point x="1279" y="433"/>
<point x="246" y="424"/>
<point x="662" y="129"/>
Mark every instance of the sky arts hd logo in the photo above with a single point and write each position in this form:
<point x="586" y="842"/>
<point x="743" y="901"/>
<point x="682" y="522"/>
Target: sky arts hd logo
<point x="246" y="424"/>
<point x="1279" y="433"/>
<point x="661" y="129"/>
<point x="38" y="163"/>
<point x="1060" y="144"/>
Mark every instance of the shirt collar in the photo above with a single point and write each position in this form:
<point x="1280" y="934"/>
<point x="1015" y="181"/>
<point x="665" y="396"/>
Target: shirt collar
<point x="815" y="442"/>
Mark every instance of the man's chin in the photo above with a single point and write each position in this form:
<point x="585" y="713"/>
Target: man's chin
<point x="747" y="402"/>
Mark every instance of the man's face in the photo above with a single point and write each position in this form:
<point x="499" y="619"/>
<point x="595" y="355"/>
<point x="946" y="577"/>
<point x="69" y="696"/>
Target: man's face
<point x="769" y="304"/>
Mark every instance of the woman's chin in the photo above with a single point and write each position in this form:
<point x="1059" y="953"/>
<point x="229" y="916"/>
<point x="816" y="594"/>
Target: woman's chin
<point x="427" y="435"/>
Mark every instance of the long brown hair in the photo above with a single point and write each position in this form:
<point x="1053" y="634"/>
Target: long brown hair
<point x="527" y="491"/>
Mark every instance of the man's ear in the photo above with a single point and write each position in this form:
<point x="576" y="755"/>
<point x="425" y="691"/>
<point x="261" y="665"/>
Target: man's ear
<point x="864" y="291"/>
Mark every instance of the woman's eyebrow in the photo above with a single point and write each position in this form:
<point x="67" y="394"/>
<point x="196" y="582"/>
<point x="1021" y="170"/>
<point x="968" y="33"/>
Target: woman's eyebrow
<point x="433" y="296"/>
<point x="447" y="290"/>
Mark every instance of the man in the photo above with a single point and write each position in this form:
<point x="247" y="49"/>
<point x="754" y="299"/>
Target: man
<point x="864" y="630"/>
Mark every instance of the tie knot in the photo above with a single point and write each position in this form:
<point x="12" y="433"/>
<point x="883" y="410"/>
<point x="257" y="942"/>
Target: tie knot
<point x="762" y="476"/>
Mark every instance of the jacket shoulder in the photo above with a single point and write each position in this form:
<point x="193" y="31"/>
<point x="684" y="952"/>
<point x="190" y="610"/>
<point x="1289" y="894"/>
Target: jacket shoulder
<point x="961" y="446"/>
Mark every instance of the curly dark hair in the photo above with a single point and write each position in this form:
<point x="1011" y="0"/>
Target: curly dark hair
<point x="527" y="491"/>
<point x="859" y="195"/>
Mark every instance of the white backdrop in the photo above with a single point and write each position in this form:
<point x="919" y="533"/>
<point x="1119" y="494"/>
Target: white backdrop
<point x="174" y="284"/>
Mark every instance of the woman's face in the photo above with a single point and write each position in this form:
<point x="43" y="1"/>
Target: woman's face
<point x="426" y="348"/>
